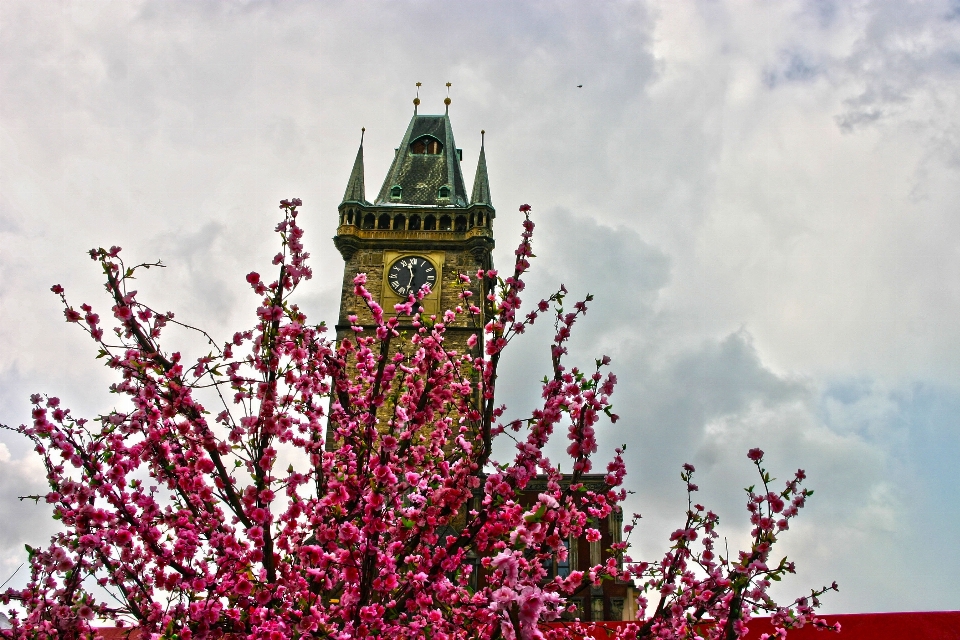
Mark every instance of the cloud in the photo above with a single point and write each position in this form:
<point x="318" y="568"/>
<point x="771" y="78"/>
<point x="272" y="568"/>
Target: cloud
<point x="709" y="402"/>
<point x="24" y="521"/>
<point x="762" y="199"/>
<point x="901" y="63"/>
<point x="794" y="66"/>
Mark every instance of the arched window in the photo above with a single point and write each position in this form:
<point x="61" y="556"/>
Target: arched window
<point x="471" y="220"/>
<point x="383" y="222"/>
<point x="396" y="192"/>
<point x="350" y="217"/>
<point x="414" y="223"/>
<point x="480" y="219"/>
<point x="460" y="224"/>
<point x="426" y="146"/>
<point x="444" y="223"/>
<point x="400" y="221"/>
<point x="369" y="221"/>
<point x="443" y="192"/>
<point x="429" y="223"/>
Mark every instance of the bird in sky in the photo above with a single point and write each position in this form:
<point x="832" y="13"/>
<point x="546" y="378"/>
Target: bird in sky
<point x="579" y="86"/>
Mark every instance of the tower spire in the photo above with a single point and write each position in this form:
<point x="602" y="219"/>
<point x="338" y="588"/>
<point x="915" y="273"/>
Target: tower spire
<point x="481" y="186"/>
<point x="355" y="190"/>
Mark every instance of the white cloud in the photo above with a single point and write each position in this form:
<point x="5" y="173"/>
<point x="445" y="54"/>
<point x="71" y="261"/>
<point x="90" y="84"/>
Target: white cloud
<point x="762" y="197"/>
<point x="25" y="521"/>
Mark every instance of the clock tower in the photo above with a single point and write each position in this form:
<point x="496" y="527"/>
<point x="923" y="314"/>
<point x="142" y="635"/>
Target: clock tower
<point x="420" y="229"/>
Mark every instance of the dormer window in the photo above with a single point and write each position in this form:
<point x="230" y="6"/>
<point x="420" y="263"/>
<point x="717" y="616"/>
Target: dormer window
<point x="396" y="192"/>
<point x="426" y="146"/>
<point x="444" y="192"/>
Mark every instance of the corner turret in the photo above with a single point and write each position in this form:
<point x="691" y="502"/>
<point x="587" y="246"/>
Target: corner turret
<point x="355" y="189"/>
<point x="481" y="185"/>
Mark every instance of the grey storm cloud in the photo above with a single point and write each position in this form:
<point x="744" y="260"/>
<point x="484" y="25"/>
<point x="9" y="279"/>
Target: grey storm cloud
<point x="761" y="197"/>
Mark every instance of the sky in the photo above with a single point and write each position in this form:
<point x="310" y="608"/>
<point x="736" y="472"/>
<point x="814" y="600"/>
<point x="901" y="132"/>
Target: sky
<point x="761" y="196"/>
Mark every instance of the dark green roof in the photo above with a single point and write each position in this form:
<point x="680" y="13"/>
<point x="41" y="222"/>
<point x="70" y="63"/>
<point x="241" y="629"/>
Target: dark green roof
<point x="420" y="176"/>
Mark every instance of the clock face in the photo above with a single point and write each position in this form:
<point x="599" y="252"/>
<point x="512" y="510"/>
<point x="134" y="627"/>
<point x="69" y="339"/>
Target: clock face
<point x="408" y="274"/>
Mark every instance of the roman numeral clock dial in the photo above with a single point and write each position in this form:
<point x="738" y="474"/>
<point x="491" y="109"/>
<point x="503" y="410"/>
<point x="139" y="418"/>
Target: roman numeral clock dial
<point x="408" y="275"/>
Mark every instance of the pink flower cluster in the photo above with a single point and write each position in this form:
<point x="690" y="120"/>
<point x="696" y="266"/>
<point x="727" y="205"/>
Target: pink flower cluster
<point x="286" y="486"/>
<point x="698" y="592"/>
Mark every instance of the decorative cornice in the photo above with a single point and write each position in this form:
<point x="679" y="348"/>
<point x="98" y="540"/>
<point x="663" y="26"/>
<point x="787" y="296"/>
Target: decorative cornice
<point x="347" y="245"/>
<point x="350" y="238"/>
<point x="417" y="209"/>
<point x="591" y="482"/>
<point x="480" y="247"/>
<point x="447" y="328"/>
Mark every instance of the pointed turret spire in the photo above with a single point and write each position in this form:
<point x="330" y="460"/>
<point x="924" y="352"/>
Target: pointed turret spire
<point x="481" y="186"/>
<point x="355" y="190"/>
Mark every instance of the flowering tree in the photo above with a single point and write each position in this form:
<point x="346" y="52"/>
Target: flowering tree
<point x="285" y="486"/>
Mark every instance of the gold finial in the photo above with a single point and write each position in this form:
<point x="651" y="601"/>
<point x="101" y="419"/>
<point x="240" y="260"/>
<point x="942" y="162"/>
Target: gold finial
<point x="416" y="101"/>
<point x="447" y="100"/>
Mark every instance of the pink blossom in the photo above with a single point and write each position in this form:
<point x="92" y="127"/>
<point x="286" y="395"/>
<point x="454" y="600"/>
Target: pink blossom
<point x="340" y="487"/>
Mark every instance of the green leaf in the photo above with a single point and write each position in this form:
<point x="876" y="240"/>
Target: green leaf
<point x="537" y="515"/>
